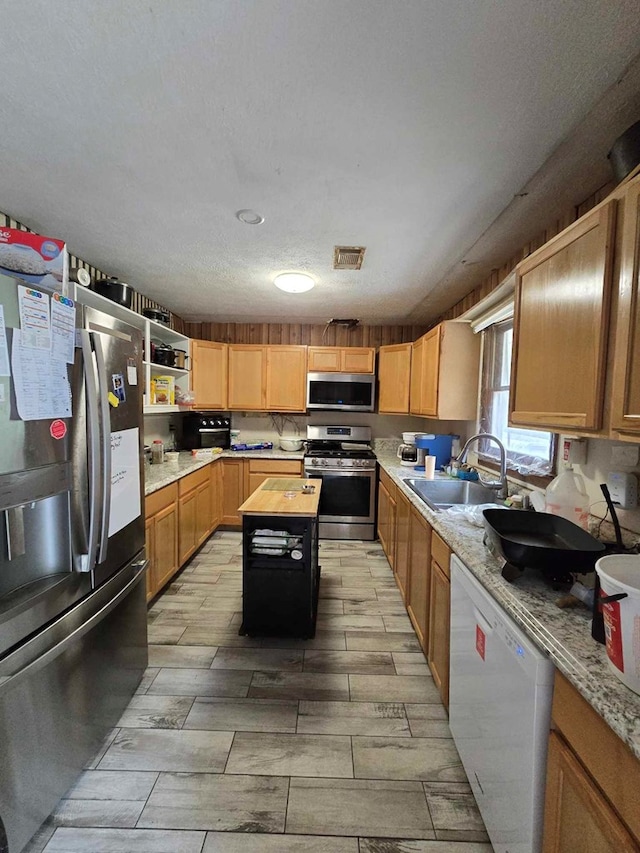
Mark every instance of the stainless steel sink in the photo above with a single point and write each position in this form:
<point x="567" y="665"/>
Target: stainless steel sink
<point x="442" y="494"/>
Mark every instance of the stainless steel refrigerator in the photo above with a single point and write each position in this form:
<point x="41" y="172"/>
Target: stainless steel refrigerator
<point x="73" y="640"/>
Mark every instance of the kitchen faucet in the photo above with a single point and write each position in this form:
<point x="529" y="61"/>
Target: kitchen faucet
<point x="500" y="485"/>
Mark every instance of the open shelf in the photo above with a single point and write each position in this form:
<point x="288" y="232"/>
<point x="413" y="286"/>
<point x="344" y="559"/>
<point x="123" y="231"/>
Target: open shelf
<point x="160" y="368"/>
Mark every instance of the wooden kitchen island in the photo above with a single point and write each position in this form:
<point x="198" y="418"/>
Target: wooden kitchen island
<point x="280" y="570"/>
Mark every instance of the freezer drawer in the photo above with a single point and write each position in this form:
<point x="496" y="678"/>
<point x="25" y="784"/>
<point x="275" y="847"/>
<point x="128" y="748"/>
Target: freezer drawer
<point x="499" y="714"/>
<point x="61" y="692"/>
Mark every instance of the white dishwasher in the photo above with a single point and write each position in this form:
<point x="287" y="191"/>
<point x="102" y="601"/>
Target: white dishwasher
<point x="499" y="713"/>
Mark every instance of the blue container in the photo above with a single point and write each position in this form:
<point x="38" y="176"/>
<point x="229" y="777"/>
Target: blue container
<point x="438" y="446"/>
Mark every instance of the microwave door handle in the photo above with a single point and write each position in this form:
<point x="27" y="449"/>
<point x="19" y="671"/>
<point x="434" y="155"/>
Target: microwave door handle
<point x="105" y="431"/>
<point x="93" y="450"/>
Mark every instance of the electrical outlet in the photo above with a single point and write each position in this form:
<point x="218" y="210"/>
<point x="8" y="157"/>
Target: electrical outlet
<point x="624" y="455"/>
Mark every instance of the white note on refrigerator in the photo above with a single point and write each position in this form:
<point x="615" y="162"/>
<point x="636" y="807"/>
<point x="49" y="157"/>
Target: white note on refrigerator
<point x="35" y="319"/>
<point x="63" y="328"/>
<point x="41" y="383"/>
<point x="125" y="479"/>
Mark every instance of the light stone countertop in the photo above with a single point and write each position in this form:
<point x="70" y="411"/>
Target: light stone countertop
<point x="564" y="634"/>
<point x="159" y="476"/>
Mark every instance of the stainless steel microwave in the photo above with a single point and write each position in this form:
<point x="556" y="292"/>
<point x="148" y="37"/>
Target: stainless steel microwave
<point x="344" y="392"/>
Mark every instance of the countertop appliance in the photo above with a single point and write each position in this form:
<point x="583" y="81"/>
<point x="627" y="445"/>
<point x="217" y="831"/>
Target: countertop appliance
<point x="206" y="429"/>
<point x="342" y="458"/>
<point x="344" y="392"/>
<point x="499" y="713"/>
<point x="73" y="636"/>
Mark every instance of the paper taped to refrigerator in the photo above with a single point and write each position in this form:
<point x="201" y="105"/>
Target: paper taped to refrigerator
<point x="40" y="382"/>
<point x="63" y="328"/>
<point x="35" y="320"/>
<point x="5" y="369"/>
<point x="125" y="479"/>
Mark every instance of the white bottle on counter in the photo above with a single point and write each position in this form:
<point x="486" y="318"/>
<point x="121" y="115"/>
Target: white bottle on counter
<point x="567" y="496"/>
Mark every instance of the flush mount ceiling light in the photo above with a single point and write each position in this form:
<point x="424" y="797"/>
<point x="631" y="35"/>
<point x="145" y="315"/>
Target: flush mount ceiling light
<point x="249" y="217"/>
<point x="294" y="282"/>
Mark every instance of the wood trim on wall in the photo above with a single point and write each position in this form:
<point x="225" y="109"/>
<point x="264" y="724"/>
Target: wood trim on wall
<point x="302" y="333"/>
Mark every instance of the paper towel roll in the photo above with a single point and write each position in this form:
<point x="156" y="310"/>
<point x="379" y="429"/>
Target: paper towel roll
<point x="429" y="467"/>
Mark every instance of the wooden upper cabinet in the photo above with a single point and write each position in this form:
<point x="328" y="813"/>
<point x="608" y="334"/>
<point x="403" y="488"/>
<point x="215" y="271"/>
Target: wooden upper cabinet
<point x="394" y="372"/>
<point x="431" y="372"/>
<point x="445" y="366"/>
<point x="341" y="359"/>
<point x="561" y="327"/>
<point x="209" y="374"/>
<point x="625" y="410"/>
<point x="415" y="385"/>
<point x="286" y="383"/>
<point x="247" y="377"/>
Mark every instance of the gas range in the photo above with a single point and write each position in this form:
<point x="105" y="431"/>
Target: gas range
<point x="339" y="447"/>
<point x="342" y="458"/>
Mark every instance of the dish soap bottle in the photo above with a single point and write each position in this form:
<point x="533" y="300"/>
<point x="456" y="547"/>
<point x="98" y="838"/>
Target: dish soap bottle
<point x="567" y="496"/>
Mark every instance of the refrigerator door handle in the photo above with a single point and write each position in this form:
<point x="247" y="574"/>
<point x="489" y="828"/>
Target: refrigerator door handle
<point x="93" y="451"/>
<point x="15" y="678"/>
<point x="105" y="428"/>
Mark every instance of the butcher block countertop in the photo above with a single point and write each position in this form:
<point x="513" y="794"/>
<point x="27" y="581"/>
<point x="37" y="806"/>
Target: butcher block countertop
<point x="269" y="499"/>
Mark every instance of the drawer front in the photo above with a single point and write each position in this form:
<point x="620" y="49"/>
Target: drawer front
<point x="275" y="466"/>
<point x="441" y="553"/>
<point x="192" y="481"/>
<point x="157" y="501"/>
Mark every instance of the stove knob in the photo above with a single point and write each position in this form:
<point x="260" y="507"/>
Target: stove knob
<point x="340" y="462"/>
<point x="324" y="462"/>
<point x="314" y="461"/>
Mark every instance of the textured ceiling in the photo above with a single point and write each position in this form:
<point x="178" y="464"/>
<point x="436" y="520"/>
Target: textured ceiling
<point x="137" y="130"/>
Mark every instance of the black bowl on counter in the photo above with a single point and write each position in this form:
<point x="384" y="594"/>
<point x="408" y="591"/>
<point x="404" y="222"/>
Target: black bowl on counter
<point x="539" y="540"/>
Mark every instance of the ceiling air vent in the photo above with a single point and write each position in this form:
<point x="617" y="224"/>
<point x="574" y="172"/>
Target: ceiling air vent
<point x="348" y="257"/>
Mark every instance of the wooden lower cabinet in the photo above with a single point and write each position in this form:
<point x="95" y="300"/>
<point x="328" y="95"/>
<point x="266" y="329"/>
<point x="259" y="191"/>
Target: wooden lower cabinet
<point x="417" y="598"/>
<point x="161" y="535"/>
<point x="577" y="815"/>
<point x="439" y="623"/>
<point x="178" y="519"/>
<point x="592" y="800"/>
<point x="233" y="490"/>
<point x="401" y="561"/>
<point x="387" y="516"/>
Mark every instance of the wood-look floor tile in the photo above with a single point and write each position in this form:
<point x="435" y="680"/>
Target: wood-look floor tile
<point x="156" y="712"/>
<point x="410" y="663"/>
<point x="322" y="640"/>
<point x="252" y="715"/>
<point x="290" y="755"/>
<point x="207" y="636"/>
<point x="353" y="718"/>
<point x="71" y="840"/>
<point x="350" y="623"/>
<point x="428" y="720"/>
<point x="285" y="660"/>
<point x="407" y="758"/>
<point x="217" y="802"/>
<point x="182" y="656"/>
<point x="157" y="749"/>
<point x="357" y="807"/>
<point x="352" y="593"/>
<point x="373" y="641"/>
<point x="41" y="838"/>
<point x="397" y="623"/>
<point x="393" y="688"/>
<point x="112" y="785"/>
<point x="299" y="685"/>
<point x="228" y="842"/>
<point x="330" y="605"/>
<point x="201" y="682"/>
<point x="165" y="634"/>
<point x="407" y="845"/>
<point x="373" y="663"/>
<point x="118" y="814"/>
<point x="378" y="607"/>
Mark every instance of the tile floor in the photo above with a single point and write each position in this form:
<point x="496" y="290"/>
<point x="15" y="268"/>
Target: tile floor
<point x="272" y="745"/>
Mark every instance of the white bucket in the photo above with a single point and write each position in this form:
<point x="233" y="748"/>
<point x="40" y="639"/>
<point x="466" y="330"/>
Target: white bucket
<point x="620" y="575"/>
